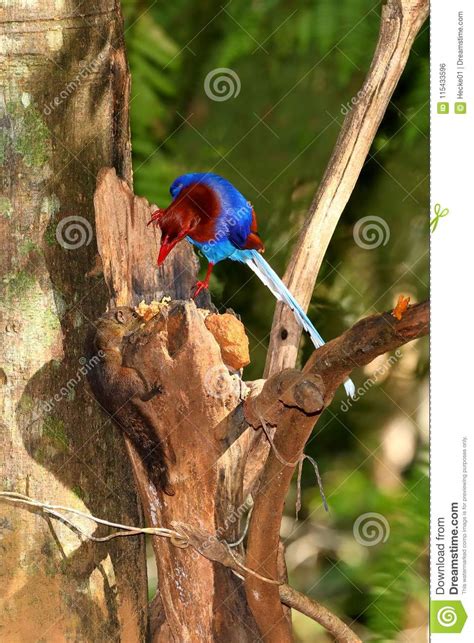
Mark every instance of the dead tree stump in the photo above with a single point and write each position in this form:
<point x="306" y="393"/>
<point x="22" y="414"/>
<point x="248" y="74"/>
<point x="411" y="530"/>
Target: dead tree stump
<point x="205" y="438"/>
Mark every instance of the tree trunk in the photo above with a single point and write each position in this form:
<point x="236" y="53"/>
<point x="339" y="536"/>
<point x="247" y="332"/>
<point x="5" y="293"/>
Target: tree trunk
<point x="64" y="114"/>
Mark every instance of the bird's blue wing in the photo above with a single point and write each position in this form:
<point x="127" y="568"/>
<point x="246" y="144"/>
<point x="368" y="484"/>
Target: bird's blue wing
<point x="239" y="229"/>
<point x="235" y="218"/>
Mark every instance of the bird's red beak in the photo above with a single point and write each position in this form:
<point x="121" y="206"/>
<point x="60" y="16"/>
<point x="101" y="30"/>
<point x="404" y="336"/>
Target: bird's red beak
<point x="165" y="248"/>
<point x="167" y="245"/>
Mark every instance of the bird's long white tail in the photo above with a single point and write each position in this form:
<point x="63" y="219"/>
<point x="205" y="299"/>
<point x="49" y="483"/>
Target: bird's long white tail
<point x="268" y="276"/>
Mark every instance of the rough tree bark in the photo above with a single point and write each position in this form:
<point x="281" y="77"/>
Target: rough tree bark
<point x="63" y="114"/>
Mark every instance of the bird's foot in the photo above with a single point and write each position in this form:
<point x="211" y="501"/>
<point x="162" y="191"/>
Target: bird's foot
<point x="156" y="216"/>
<point x="199" y="287"/>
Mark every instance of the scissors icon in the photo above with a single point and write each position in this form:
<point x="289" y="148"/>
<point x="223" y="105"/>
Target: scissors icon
<point x="439" y="214"/>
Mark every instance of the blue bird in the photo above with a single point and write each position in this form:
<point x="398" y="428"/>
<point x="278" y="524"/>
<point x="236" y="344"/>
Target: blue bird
<point x="213" y="215"/>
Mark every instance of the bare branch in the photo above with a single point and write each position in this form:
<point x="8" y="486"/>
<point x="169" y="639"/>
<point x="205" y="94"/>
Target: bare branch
<point x="401" y="20"/>
<point x="294" y="425"/>
<point x="307" y="606"/>
<point x="365" y="341"/>
<point x="293" y="402"/>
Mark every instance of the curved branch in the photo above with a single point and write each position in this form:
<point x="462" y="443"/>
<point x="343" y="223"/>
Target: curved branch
<point x="281" y="403"/>
<point x="314" y="610"/>
<point x="366" y="340"/>
<point x="400" y="22"/>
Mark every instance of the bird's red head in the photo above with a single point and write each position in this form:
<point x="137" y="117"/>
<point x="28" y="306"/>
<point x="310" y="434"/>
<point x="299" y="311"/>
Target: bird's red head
<point x="175" y="224"/>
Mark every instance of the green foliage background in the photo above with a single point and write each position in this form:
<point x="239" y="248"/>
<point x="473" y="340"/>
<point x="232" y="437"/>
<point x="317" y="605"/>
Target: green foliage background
<point x="299" y="64"/>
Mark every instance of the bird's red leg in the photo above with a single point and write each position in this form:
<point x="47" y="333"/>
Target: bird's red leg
<point x="200" y="285"/>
